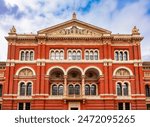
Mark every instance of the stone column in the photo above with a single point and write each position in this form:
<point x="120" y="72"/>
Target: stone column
<point x="83" y="85"/>
<point x="65" y="85"/>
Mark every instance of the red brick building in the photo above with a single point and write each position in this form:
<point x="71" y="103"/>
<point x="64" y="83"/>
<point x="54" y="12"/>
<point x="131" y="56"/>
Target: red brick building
<point x="74" y="65"/>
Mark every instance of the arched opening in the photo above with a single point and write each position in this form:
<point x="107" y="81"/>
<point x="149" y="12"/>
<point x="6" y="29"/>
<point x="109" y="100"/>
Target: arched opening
<point x="147" y="89"/>
<point x="22" y="55"/>
<point x="70" y="89"/>
<point x="31" y="55"/>
<point x="125" y="56"/>
<point x="77" y="90"/>
<point x="54" y="89"/>
<point x="87" y="89"/>
<point x="116" y="56"/>
<point x="56" y="79"/>
<point x="22" y="89"/>
<point x="74" y="80"/>
<point x="125" y="89"/>
<point x="1" y="90"/>
<point x="119" y="89"/>
<point x="29" y="89"/>
<point x="60" y="90"/>
<point x="87" y="55"/>
<point x="93" y="89"/>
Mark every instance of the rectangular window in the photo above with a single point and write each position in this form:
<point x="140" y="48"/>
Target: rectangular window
<point x="0" y="106"/>
<point x="27" y="106"/>
<point x="1" y="90"/>
<point x="124" y="106"/>
<point x="120" y="106"/>
<point x="20" y="106"/>
<point x="148" y="106"/>
<point x="127" y="106"/>
<point x="24" y="106"/>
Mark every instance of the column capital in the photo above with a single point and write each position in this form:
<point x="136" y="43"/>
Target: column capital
<point x="65" y="76"/>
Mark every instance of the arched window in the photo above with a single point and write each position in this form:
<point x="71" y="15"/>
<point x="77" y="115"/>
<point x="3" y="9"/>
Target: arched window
<point x="22" y="55"/>
<point x="60" y="90"/>
<point x="147" y="89"/>
<point x="27" y="56"/>
<point x="52" y="55"/>
<point x="121" y="56"/>
<point x="87" y="90"/>
<point x="29" y="89"/>
<point x="93" y="90"/>
<point x="125" y="89"/>
<point x="78" y="55"/>
<point x="125" y="56"/>
<point x="96" y="55"/>
<point x="61" y="55"/>
<point x="119" y="89"/>
<point x="70" y="55"/>
<point x="77" y="89"/>
<point x="74" y="55"/>
<point x="54" y="90"/>
<point x="91" y="55"/>
<point x="57" y="55"/>
<point x="71" y="89"/>
<point x="31" y="56"/>
<point x="116" y="56"/>
<point x="22" y="89"/>
<point x="1" y="90"/>
<point x="87" y="55"/>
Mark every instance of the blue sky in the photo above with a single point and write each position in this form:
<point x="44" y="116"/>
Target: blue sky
<point x="118" y="16"/>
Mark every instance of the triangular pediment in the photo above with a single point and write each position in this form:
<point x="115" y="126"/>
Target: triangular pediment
<point x="74" y="27"/>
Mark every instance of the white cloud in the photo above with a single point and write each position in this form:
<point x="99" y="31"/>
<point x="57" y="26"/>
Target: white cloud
<point x="105" y="14"/>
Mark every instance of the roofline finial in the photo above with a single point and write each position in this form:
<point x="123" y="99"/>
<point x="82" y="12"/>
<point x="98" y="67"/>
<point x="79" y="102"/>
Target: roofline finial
<point x="74" y="16"/>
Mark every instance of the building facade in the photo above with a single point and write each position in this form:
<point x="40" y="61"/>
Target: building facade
<point x="74" y="65"/>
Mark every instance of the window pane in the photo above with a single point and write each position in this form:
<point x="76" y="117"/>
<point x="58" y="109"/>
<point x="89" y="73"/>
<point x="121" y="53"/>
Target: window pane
<point x="57" y="55"/>
<point x="27" y="106"/>
<point x="96" y="55"/>
<point x="147" y="89"/>
<point x="87" y="55"/>
<point x="121" y="56"/>
<point x="29" y="89"/>
<point x="91" y="55"/>
<point x="93" y="90"/>
<point x="22" y="56"/>
<point x="125" y="56"/>
<point x="1" y="90"/>
<point x="116" y="56"/>
<point x="20" y="106"/>
<point x="0" y="106"/>
<point x="27" y="56"/>
<point x="119" y="89"/>
<point x="148" y="106"/>
<point x="31" y="56"/>
<point x="54" y="90"/>
<point x="60" y="90"/>
<point x="61" y="55"/>
<point x="52" y="55"/>
<point x="77" y="90"/>
<point x="71" y="89"/>
<point x="70" y="55"/>
<point x="125" y="89"/>
<point x="87" y="90"/>
<point x="74" y="56"/>
<point x="127" y="106"/>
<point x="78" y="55"/>
<point x="22" y="89"/>
<point x="120" y="106"/>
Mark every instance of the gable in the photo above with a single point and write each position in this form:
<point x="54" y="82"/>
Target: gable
<point x="74" y="27"/>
